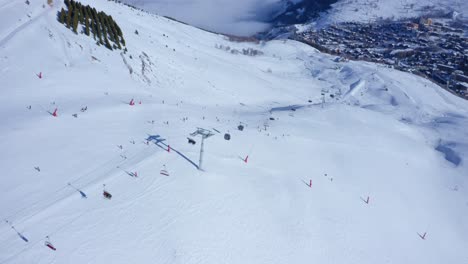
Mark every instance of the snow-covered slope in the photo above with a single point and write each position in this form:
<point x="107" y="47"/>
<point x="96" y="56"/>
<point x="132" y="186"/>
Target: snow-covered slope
<point x="372" y="10"/>
<point x="375" y="137"/>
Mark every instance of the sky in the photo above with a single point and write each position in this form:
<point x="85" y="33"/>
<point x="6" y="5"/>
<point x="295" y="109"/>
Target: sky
<point x="241" y="17"/>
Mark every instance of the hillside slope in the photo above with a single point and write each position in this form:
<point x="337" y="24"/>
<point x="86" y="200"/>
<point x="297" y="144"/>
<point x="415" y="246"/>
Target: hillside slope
<point x="371" y="10"/>
<point x="357" y="130"/>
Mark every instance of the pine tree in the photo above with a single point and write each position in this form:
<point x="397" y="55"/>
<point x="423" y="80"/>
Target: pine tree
<point x="87" y="25"/>
<point x="82" y="13"/>
<point x="119" y="33"/>
<point x="108" y="45"/>
<point x="104" y="35"/>
<point x="105" y="29"/>
<point x="62" y="16"/>
<point x="75" y="22"/>
<point x="99" y="33"/>
<point x="117" y="40"/>
<point x="93" y="28"/>
<point x="119" y="30"/>
<point x="94" y="13"/>
<point x="69" y="16"/>
<point x="110" y="29"/>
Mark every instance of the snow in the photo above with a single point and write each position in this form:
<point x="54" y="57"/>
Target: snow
<point x="377" y="137"/>
<point x="371" y="10"/>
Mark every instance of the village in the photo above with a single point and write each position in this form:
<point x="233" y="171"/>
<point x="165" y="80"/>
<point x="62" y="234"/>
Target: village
<point x="435" y="48"/>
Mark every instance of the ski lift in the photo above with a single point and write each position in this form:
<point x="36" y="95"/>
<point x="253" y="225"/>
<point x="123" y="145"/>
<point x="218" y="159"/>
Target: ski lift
<point x="48" y="244"/>
<point x="17" y="232"/>
<point x="106" y="194"/>
<point x="191" y="141"/>
<point x="83" y="195"/>
<point x="227" y="136"/>
<point x="240" y="127"/>
<point x="164" y="171"/>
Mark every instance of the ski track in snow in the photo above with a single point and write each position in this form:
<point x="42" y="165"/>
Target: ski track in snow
<point x="23" y="26"/>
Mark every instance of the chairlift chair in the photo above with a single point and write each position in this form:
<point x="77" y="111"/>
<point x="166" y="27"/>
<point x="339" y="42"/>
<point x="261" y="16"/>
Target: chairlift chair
<point x="164" y="171"/>
<point x="49" y="245"/>
<point x="107" y="195"/>
<point x="227" y="136"/>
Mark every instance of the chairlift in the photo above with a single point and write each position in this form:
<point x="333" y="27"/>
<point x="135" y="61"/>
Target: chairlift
<point x="106" y="194"/>
<point x="191" y="141"/>
<point x="227" y="136"/>
<point x="49" y="245"/>
<point x="164" y="171"/>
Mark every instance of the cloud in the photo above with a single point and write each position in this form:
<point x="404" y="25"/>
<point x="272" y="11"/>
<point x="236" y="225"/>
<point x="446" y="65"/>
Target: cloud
<point x="242" y="17"/>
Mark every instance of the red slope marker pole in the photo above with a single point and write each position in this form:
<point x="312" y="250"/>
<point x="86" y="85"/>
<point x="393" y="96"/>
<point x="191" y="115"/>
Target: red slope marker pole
<point x="132" y="102"/>
<point x="39" y="75"/>
<point x="168" y="148"/>
<point x="246" y="159"/>
<point x="310" y="184"/>
<point x="55" y="112"/>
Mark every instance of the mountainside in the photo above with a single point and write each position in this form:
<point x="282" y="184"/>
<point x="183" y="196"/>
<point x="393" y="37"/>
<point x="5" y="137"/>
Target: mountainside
<point x="372" y="10"/>
<point x="337" y="161"/>
<point x="291" y="16"/>
<point x="299" y="12"/>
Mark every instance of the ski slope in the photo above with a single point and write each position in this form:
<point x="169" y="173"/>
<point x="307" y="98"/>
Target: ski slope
<point x="361" y="132"/>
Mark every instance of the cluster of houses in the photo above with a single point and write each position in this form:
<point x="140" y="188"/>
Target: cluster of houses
<point x="434" y="48"/>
